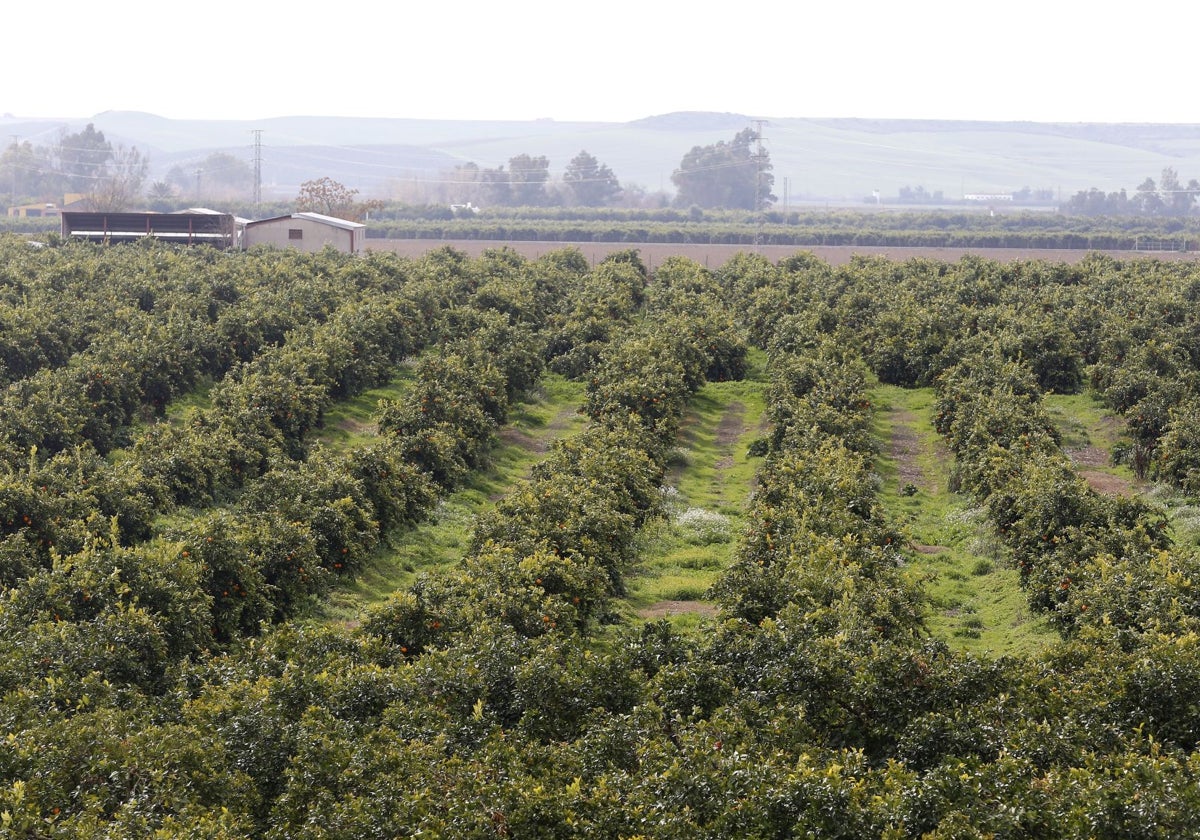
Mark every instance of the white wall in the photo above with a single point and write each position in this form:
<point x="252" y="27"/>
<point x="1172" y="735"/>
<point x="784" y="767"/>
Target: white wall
<point x="314" y="235"/>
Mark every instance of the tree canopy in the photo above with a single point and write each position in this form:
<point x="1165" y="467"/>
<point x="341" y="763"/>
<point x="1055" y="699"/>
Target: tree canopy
<point x="590" y="182"/>
<point x="1169" y="197"/>
<point x="734" y="175"/>
<point x="327" y="196"/>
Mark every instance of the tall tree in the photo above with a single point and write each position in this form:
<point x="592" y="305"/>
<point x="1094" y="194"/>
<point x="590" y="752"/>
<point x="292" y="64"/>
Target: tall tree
<point x="528" y="177"/>
<point x="81" y="157"/>
<point x="1094" y="202"/>
<point x="119" y="182"/>
<point x="497" y="186"/>
<point x="327" y="196"/>
<point x="26" y="172"/>
<point x="162" y="196"/>
<point x="223" y="176"/>
<point x="1177" y="200"/>
<point x="332" y="198"/>
<point x="1147" y="200"/>
<point x="724" y="174"/>
<point x="462" y="184"/>
<point x="591" y="183"/>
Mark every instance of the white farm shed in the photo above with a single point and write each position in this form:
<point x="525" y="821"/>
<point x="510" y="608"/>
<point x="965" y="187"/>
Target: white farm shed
<point x="306" y="232"/>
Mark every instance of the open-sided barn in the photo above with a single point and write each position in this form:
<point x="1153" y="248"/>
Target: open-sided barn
<point x="216" y="229"/>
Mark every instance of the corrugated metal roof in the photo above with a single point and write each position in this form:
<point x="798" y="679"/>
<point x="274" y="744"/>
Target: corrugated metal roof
<point x="204" y="211"/>
<point x="269" y="219"/>
<point x="329" y="220"/>
<point x="314" y="217"/>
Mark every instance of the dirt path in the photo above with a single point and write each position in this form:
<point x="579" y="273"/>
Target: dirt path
<point x="662" y="609"/>
<point x="904" y="448"/>
<point x="540" y="442"/>
<point x="1088" y="460"/>
<point x="729" y="432"/>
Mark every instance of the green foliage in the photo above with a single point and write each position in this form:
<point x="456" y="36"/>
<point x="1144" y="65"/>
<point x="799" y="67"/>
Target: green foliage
<point x="158" y="678"/>
<point x="591" y="183"/>
<point x="724" y="174"/>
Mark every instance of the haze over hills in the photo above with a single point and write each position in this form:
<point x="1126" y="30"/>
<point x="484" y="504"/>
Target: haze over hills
<point x="815" y="160"/>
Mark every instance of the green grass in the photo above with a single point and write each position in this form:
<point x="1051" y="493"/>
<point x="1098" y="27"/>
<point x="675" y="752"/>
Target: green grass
<point x="197" y="399"/>
<point x="442" y="540"/>
<point x="976" y="603"/>
<point x="350" y="423"/>
<point x="1083" y="421"/>
<point x="709" y="480"/>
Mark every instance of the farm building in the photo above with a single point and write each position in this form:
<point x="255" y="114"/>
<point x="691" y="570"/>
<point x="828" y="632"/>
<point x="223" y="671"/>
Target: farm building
<point x="189" y="228"/>
<point x="32" y="211"/>
<point x="306" y="232"/>
<point x="71" y="201"/>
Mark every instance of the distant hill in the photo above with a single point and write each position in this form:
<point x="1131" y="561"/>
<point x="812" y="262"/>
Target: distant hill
<point x="814" y="160"/>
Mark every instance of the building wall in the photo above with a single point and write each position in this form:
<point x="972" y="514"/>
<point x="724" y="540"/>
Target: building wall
<point x="313" y="236"/>
<point x="30" y="211"/>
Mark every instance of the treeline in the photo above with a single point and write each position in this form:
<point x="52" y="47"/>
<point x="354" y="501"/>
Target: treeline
<point x="800" y="236"/>
<point x="1170" y="197"/>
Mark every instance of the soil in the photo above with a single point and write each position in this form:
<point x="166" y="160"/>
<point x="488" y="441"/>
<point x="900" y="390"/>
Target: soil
<point x="1088" y="456"/>
<point x="729" y="432"/>
<point x="905" y="447"/>
<point x="1089" y="460"/>
<point x="541" y="443"/>
<point x="519" y="437"/>
<point x="665" y="608"/>
<point x="355" y="427"/>
<point x="1107" y="483"/>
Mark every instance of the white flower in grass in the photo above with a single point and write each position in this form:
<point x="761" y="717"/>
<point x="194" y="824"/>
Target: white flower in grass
<point x="703" y="527"/>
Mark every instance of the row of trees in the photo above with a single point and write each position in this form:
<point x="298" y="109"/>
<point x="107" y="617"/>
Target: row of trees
<point x="734" y="175"/>
<point x="729" y="174"/>
<point x="165" y="684"/>
<point x="586" y="182"/>
<point x="1169" y="197"/>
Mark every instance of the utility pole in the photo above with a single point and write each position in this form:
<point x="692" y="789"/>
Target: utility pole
<point x="760" y="156"/>
<point x="257" y="132"/>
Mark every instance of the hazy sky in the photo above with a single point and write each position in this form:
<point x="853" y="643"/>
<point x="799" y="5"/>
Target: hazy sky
<point x="1041" y="60"/>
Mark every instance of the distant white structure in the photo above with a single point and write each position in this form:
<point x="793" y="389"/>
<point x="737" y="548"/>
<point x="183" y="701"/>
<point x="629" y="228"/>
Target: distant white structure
<point x="988" y="197"/>
<point x="309" y="232"/>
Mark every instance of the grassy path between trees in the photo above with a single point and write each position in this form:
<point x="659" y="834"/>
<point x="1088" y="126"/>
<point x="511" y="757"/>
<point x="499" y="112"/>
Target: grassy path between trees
<point x="976" y="602"/>
<point x="1090" y="433"/>
<point x="707" y="487"/>
<point x="442" y="540"/>
<point x="708" y="484"/>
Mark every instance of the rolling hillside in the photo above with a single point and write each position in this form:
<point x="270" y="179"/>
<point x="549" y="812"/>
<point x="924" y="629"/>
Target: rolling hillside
<point x="815" y="160"/>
